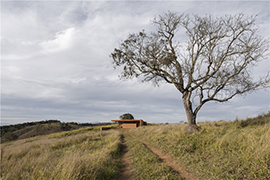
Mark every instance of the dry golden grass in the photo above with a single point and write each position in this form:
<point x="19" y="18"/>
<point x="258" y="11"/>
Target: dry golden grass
<point x="77" y="131"/>
<point x="91" y="155"/>
<point x="221" y="150"/>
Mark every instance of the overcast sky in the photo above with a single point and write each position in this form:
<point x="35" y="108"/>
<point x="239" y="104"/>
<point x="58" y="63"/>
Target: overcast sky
<point x="55" y="62"/>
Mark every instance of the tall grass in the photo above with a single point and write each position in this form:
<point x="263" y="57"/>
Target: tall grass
<point x="221" y="150"/>
<point x="146" y="165"/>
<point x="78" y="131"/>
<point x="91" y="155"/>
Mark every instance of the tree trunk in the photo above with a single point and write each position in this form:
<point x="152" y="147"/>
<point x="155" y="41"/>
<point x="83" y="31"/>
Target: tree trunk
<point x="191" y="116"/>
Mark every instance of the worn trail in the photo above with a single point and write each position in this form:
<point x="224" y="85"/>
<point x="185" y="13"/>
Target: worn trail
<point x="126" y="170"/>
<point x="167" y="160"/>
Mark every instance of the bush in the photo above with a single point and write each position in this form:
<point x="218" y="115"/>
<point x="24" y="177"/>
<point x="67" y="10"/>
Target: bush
<point x="126" y="116"/>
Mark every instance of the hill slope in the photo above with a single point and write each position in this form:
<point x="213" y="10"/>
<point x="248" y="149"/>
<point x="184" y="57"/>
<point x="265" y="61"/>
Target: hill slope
<point x="31" y="129"/>
<point x="221" y="150"/>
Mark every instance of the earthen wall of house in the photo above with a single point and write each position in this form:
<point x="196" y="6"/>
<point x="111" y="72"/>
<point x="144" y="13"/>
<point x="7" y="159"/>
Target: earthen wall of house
<point x="128" y="124"/>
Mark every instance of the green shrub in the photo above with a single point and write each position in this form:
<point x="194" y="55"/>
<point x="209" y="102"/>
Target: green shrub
<point x="127" y="116"/>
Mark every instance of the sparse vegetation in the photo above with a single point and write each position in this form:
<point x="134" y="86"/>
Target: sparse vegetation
<point x="89" y="155"/>
<point x="221" y="150"/>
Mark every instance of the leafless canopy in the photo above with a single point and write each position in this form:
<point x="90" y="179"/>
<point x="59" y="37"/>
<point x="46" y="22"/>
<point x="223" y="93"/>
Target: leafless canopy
<point x="214" y="62"/>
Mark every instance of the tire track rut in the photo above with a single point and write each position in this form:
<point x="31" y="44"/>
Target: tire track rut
<point x="167" y="160"/>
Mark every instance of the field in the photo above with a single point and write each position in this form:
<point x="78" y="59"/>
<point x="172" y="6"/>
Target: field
<point x="88" y="155"/>
<point x="221" y="150"/>
<point x="146" y="164"/>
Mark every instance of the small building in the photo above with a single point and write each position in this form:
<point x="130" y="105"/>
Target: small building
<point x="129" y="124"/>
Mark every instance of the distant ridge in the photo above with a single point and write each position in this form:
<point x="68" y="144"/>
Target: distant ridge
<point x="31" y="129"/>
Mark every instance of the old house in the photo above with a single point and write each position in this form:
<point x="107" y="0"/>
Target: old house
<point x="129" y="124"/>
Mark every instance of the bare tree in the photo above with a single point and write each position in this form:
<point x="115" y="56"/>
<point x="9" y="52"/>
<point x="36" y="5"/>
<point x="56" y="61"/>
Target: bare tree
<point x="214" y="62"/>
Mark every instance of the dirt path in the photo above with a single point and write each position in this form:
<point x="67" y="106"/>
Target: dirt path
<point x="126" y="171"/>
<point x="167" y="160"/>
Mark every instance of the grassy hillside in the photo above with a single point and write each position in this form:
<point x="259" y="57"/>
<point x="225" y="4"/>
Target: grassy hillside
<point x="36" y="130"/>
<point x="79" y="154"/>
<point x="32" y="129"/>
<point x="146" y="165"/>
<point x="221" y="150"/>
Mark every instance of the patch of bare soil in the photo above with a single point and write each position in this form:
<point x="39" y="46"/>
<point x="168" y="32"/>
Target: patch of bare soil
<point x="126" y="171"/>
<point x="167" y="160"/>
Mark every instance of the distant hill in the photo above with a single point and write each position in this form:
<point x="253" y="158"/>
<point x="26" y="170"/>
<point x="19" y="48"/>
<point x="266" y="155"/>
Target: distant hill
<point x="31" y="129"/>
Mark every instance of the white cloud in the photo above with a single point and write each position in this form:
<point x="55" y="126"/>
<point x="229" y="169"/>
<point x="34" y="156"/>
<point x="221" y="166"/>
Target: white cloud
<point x="63" y="40"/>
<point x="13" y="69"/>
